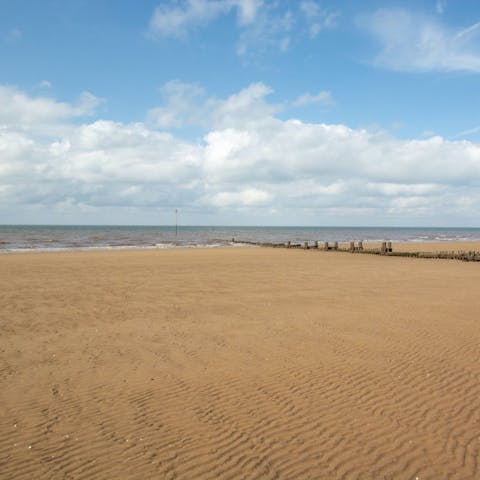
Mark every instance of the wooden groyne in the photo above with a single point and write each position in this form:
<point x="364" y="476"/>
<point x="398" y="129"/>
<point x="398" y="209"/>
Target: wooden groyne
<point x="385" y="248"/>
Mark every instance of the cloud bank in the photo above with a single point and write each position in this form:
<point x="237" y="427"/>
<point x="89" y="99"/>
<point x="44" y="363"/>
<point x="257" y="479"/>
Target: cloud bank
<point x="249" y="166"/>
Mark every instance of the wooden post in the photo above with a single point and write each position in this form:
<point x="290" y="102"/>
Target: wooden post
<point x="360" y="245"/>
<point x="389" y="247"/>
<point x="315" y="245"/>
<point x="325" y="246"/>
<point x="289" y="244"/>
<point x="383" y="248"/>
<point x="335" y="246"/>
<point x="305" y="245"/>
<point x="352" y="246"/>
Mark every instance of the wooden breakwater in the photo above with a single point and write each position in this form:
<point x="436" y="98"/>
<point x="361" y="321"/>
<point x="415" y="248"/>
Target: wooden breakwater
<point x="385" y="248"/>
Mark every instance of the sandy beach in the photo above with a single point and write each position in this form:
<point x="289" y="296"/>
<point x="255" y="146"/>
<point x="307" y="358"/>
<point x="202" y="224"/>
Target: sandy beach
<point x="240" y="363"/>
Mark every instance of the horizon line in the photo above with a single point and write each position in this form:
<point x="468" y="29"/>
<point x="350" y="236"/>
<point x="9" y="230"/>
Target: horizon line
<point x="225" y="226"/>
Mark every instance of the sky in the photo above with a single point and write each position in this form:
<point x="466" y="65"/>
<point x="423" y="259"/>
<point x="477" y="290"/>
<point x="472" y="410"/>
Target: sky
<point x="240" y="112"/>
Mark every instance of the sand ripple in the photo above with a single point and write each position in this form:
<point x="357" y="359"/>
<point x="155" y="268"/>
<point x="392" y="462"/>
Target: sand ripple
<point x="253" y="364"/>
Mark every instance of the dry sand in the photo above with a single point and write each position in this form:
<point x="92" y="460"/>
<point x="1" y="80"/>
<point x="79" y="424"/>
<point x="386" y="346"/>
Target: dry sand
<point x="238" y="364"/>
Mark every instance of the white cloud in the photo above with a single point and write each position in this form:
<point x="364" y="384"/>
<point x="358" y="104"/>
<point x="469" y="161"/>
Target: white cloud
<point x="21" y="109"/>
<point x="322" y="97"/>
<point x="318" y="18"/>
<point x="262" y="25"/>
<point x="270" y="31"/>
<point x="45" y="84"/>
<point x="245" y="108"/>
<point x="175" y="19"/>
<point x="465" y="133"/>
<point x="248" y="197"/>
<point x="184" y="105"/>
<point x="416" y="43"/>
<point x="187" y="105"/>
<point x="440" y="6"/>
<point x="249" y="160"/>
<point x="466" y="32"/>
<point x="428" y="133"/>
<point x="247" y="10"/>
<point x="394" y="189"/>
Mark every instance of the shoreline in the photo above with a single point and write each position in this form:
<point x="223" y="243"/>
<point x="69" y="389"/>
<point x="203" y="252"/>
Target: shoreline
<point x="399" y="246"/>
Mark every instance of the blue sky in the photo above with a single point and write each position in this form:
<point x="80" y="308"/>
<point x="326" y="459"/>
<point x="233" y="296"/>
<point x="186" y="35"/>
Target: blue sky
<point x="240" y="112"/>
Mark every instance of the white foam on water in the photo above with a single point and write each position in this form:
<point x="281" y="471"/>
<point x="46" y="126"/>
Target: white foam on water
<point x="105" y="248"/>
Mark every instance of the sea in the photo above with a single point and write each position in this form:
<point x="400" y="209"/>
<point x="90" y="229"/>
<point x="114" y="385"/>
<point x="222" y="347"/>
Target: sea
<point x="31" y="238"/>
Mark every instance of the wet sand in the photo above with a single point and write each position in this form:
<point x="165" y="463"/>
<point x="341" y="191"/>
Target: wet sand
<point x="239" y="363"/>
<point x="431" y="246"/>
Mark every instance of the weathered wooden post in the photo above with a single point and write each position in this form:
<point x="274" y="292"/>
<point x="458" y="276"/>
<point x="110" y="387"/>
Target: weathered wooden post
<point x="315" y="244"/>
<point x="325" y="246"/>
<point x="305" y="245"/>
<point x="289" y="244"/>
<point x="352" y="246"/>
<point x="360" y="245"/>
<point x="389" y="247"/>
<point x="335" y="246"/>
<point x="383" y="248"/>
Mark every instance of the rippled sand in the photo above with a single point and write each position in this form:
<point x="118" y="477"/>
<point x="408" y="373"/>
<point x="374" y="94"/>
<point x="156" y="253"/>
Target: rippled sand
<point x="238" y="364"/>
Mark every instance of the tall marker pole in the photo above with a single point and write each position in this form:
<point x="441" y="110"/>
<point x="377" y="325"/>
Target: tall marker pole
<point x="176" y="223"/>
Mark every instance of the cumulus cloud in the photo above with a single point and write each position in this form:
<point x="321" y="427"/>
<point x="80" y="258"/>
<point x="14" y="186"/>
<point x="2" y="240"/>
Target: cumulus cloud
<point x="23" y="110"/>
<point x="184" y="104"/>
<point x="188" y="105"/>
<point x="416" y="43"/>
<point x="249" y="160"/>
<point x="248" y="107"/>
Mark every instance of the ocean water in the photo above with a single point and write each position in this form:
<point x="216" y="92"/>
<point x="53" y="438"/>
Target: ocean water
<point x="14" y="238"/>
